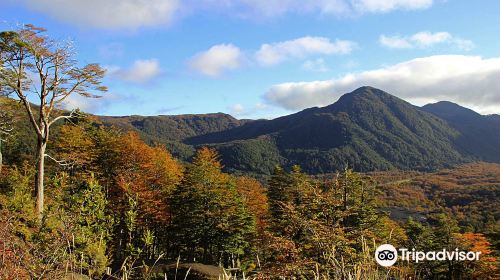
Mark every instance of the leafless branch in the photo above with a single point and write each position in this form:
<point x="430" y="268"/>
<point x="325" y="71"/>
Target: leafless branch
<point x="60" y="162"/>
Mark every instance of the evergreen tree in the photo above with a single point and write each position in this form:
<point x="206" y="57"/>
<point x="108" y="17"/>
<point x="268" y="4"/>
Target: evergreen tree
<point x="210" y="221"/>
<point x="93" y="226"/>
<point x="279" y="194"/>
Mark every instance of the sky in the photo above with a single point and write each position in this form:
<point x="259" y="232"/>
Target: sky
<point x="268" y="58"/>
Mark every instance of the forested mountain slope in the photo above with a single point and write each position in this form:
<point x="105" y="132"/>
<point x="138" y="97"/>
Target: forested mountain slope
<point x="367" y="129"/>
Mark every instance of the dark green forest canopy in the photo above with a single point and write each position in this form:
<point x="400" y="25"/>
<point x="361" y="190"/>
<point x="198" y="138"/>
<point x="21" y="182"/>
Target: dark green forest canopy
<point x="367" y="129"/>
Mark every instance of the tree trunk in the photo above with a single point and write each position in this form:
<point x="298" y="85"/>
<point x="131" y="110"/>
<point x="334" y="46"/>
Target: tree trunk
<point x="41" y="146"/>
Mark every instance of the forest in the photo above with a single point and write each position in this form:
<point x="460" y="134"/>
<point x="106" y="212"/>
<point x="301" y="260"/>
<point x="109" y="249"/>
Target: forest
<point x="83" y="200"/>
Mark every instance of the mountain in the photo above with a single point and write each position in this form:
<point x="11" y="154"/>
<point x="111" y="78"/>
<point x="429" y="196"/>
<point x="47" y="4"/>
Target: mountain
<point x="172" y="130"/>
<point x="494" y="117"/>
<point x="479" y="135"/>
<point x="367" y="129"/>
<point x="176" y="127"/>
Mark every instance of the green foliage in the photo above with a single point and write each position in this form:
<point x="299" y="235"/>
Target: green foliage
<point x="366" y="130"/>
<point x="322" y="222"/>
<point x="172" y="130"/>
<point x="16" y="196"/>
<point x="93" y="225"/>
<point x="479" y="135"/>
<point x="210" y="221"/>
<point x="257" y="156"/>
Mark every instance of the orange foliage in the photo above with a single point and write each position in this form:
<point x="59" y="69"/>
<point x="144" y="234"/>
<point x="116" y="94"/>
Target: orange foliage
<point x="150" y="173"/>
<point x="477" y="242"/>
<point x="487" y="265"/>
<point x="255" y="199"/>
<point x="75" y="147"/>
<point x="207" y="157"/>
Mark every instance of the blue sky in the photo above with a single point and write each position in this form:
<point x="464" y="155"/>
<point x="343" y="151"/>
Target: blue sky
<point x="262" y="59"/>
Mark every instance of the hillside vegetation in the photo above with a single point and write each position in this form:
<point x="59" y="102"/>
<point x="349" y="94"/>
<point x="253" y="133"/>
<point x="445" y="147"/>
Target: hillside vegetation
<point x="367" y="129"/>
<point x="88" y="197"/>
<point x="120" y="208"/>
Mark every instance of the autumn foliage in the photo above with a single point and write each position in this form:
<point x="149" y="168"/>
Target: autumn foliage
<point x="119" y="205"/>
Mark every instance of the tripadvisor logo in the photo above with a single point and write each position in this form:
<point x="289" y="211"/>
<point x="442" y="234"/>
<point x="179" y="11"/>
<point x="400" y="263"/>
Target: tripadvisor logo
<point x="387" y="255"/>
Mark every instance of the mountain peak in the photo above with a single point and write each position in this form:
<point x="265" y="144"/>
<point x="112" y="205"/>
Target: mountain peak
<point x="447" y="110"/>
<point x="363" y="97"/>
<point x="367" y="90"/>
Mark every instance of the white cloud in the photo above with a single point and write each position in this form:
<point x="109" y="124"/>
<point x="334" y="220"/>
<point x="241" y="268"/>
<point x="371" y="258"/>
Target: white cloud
<point x="273" y="8"/>
<point x="217" y="59"/>
<point x="463" y="44"/>
<point x="80" y="102"/>
<point x="424" y="39"/>
<point x="261" y="106"/>
<point x="382" y="6"/>
<point x="112" y="50"/>
<point x="240" y="110"/>
<point x="274" y="53"/>
<point x="108" y="14"/>
<point x="315" y="65"/>
<point x="141" y="71"/>
<point x="468" y="80"/>
<point x="116" y="14"/>
<point x="395" y="42"/>
<point x="428" y="39"/>
<point x="236" y="109"/>
<point x="97" y="105"/>
<point x="221" y="58"/>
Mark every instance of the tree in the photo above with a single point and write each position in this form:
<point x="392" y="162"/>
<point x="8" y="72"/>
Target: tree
<point x="486" y="266"/>
<point x="210" y="220"/>
<point x="151" y="173"/>
<point x="278" y="194"/>
<point x="93" y="227"/>
<point x="140" y="180"/>
<point x="254" y="196"/>
<point x="34" y="67"/>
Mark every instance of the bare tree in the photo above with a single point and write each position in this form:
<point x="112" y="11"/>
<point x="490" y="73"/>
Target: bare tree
<point x="42" y="74"/>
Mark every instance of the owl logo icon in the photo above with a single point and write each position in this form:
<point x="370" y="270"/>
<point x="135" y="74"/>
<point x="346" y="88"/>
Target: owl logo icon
<point x="386" y="255"/>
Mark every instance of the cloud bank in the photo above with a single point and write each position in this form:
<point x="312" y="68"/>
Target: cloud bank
<point x="108" y="14"/>
<point x="471" y="81"/>
<point x="271" y="54"/>
<point x="424" y="39"/>
<point x="116" y="14"/>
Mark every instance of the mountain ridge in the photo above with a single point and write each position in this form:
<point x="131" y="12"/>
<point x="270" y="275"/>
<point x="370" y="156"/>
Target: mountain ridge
<point x="367" y="129"/>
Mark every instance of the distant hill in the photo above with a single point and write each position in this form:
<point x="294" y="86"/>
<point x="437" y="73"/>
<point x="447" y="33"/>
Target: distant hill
<point x="172" y="130"/>
<point x="494" y="117"/>
<point x="479" y="135"/>
<point x="177" y="127"/>
<point x="367" y="129"/>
